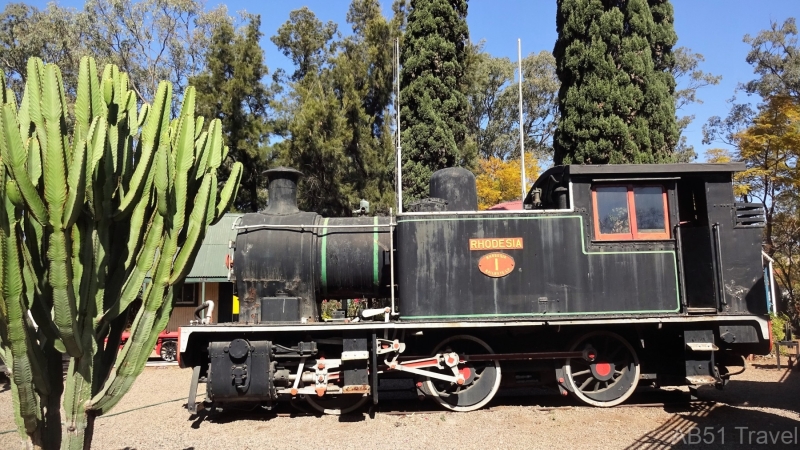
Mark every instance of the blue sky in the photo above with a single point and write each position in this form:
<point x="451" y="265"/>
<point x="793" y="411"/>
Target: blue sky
<point x="714" y="28"/>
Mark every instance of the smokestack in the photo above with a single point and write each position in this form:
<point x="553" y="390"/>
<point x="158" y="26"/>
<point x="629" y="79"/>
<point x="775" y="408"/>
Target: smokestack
<point x="282" y="191"/>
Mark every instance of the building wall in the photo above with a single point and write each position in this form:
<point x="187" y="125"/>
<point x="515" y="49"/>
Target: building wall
<point x="182" y="314"/>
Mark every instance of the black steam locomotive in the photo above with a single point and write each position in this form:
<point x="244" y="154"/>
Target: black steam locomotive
<point x="608" y="275"/>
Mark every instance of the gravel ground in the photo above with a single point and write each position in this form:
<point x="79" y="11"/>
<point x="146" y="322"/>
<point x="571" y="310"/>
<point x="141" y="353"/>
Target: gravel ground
<point x="763" y="399"/>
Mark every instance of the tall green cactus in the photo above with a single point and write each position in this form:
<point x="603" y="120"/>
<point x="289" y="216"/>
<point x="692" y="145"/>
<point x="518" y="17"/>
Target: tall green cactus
<point x="85" y="217"/>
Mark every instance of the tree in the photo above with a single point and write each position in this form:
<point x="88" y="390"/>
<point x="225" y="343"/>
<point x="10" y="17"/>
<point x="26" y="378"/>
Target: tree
<point x="433" y="104"/>
<point x="337" y="126"/>
<point x="614" y="60"/>
<point x="151" y="40"/>
<point x="489" y="123"/>
<point x="770" y="147"/>
<point x="362" y="73"/>
<point x="305" y="40"/>
<point x="775" y="57"/>
<point x="493" y="98"/>
<point x="686" y="70"/>
<point x="54" y="34"/>
<point x="86" y="215"/>
<point x="232" y="90"/>
<point x="498" y="180"/>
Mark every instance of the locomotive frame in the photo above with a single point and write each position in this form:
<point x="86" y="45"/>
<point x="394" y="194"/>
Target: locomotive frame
<point x="611" y="275"/>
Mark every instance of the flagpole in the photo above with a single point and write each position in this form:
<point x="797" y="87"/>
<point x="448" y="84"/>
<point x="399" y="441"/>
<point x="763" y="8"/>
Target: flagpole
<point x="521" y="131"/>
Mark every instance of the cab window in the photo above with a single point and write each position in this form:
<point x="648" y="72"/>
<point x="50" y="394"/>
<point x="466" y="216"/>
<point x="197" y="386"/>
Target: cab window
<point x="628" y="212"/>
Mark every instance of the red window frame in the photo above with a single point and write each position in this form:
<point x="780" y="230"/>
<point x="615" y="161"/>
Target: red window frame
<point x="634" y="234"/>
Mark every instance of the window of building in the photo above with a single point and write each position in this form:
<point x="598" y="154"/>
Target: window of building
<point x="187" y="295"/>
<point x="627" y="212"/>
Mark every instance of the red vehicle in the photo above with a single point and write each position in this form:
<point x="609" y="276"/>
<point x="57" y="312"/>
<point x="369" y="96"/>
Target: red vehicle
<point x="166" y="346"/>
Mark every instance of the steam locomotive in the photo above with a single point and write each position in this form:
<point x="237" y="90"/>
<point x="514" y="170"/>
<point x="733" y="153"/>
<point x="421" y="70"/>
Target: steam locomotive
<point x="608" y="277"/>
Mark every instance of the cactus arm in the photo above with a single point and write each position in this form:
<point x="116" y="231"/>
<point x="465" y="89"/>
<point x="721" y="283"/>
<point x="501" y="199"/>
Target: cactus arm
<point x="77" y="256"/>
<point x="184" y="156"/>
<point x="23" y="116"/>
<point x="228" y="193"/>
<point x="198" y="125"/>
<point x="143" y="112"/>
<point x="59" y="277"/>
<point x="137" y="221"/>
<point x="54" y="164"/>
<point x="40" y="311"/>
<point x="96" y="97"/>
<point x="97" y="138"/>
<point x="113" y="338"/>
<point x="211" y="206"/>
<point x="14" y="317"/>
<point x="150" y="325"/>
<point x="33" y="90"/>
<point x="196" y="228"/>
<point x="15" y="162"/>
<point x="34" y="160"/>
<point x="115" y="385"/>
<point x="113" y="139"/>
<point x="130" y="131"/>
<point x="215" y="146"/>
<point x="161" y="181"/>
<point x="76" y="183"/>
<point x="144" y="263"/>
<point x="61" y="99"/>
<point x="153" y="133"/>
<point x="210" y="138"/>
<point x="83" y="100"/>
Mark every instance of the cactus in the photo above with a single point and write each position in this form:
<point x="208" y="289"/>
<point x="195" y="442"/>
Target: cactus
<point x="85" y="216"/>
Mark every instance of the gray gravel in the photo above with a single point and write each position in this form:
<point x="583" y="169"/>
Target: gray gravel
<point x="152" y="416"/>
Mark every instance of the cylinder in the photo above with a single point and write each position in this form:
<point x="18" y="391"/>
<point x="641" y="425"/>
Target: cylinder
<point x="457" y="186"/>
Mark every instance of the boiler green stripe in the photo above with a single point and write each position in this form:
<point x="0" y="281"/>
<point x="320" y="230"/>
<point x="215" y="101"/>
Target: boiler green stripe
<point x="375" y="255"/>
<point x="324" y="258"/>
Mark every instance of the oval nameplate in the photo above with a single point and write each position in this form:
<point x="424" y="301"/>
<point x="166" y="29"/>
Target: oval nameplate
<point x="496" y="264"/>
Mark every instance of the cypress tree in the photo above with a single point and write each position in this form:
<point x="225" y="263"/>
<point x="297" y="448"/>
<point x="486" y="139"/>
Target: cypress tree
<point x="434" y="105"/>
<point x="614" y="59"/>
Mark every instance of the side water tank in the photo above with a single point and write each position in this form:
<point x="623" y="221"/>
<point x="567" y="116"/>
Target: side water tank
<point x="456" y="185"/>
<point x="353" y="257"/>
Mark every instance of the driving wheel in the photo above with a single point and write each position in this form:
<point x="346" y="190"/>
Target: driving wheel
<point x="611" y="377"/>
<point x="481" y="378"/>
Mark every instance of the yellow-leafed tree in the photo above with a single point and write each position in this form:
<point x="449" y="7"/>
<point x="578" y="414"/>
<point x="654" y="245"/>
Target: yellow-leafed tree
<point x="498" y="180"/>
<point x="770" y="147"/>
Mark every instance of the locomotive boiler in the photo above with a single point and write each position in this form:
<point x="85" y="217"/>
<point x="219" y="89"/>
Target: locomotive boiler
<point x="608" y="276"/>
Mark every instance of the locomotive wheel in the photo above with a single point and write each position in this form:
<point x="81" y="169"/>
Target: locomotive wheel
<point x="613" y="375"/>
<point x="482" y="378"/>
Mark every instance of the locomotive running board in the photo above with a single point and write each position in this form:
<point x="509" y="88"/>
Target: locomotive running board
<point x="186" y="331"/>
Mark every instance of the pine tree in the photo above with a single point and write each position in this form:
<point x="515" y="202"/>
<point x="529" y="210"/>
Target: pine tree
<point x="232" y="89"/>
<point x="434" y="104"/>
<point x="614" y="59"/>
